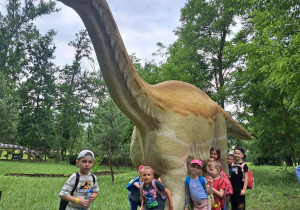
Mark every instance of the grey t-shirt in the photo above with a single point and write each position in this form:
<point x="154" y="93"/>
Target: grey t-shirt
<point x="86" y="182"/>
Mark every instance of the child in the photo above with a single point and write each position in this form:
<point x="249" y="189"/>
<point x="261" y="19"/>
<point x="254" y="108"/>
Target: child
<point x="230" y="160"/>
<point x="150" y="198"/>
<point x="214" y="169"/>
<point x="87" y="181"/>
<point x="134" y="191"/>
<point x="239" y="180"/>
<point x="195" y="188"/>
<point x="214" y="154"/>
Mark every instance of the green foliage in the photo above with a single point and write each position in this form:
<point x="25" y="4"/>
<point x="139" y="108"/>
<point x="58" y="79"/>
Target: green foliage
<point x="9" y="102"/>
<point x="96" y="166"/>
<point x="72" y="159"/>
<point x="268" y="86"/>
<point x="112" y="132"/>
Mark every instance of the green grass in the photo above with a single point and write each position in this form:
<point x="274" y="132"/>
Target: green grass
<point x="275" y="187"/>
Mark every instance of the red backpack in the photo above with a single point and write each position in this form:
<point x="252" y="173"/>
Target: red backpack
<point x="250" y="177"/>
<point x="228" y="186"/>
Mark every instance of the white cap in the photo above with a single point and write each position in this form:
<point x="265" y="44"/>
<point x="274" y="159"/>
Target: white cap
<point x="86" y="153"/>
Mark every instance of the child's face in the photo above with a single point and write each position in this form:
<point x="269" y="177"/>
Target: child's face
<point x="147" y="176"/>
<point x="195" y="169"/>
<point x="85" y="164"/>
<point x="214" y="155"/>
<point x="229" y="160"/>
<point x="212" y="171"/>
<point x="238" y="155"/>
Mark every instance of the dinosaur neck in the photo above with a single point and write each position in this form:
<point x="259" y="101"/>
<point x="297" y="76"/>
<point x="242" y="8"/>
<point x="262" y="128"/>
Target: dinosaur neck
<point x="124" y="84"/>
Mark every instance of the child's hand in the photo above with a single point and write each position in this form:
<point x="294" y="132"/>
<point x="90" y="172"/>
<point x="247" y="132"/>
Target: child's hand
<point x="84" y="203"/>
<point x="93" y="197"/>
<point x="185" y="208"/>
<point x="243" y="192"/>
<point x="209" y="179"/>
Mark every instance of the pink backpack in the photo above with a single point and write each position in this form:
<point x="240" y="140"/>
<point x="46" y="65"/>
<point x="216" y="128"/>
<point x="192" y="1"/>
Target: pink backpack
<point x="163" y="196"/>
<point x="228" y="186"/>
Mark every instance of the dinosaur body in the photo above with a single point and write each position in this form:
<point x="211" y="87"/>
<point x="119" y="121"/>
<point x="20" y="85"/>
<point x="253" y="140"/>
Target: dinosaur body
<point x="175" y="121"/>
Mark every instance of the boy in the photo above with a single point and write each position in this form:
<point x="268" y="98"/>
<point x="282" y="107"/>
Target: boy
<point x="87" y="181"/>
<point x="239" y="180"/>
<point x="230" y="160"/>
<point x="214" y="170"/>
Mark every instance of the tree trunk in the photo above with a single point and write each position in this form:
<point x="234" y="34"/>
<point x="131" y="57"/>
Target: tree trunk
<point x="109" y="163"/>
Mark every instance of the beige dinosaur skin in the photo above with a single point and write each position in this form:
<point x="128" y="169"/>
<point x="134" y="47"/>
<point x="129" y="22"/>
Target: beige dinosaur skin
<point x="175" y="121"/>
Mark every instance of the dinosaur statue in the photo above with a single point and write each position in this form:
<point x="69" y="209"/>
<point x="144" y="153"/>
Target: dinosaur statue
<point x="32" y="153"/>
<point x="174" y="121"/>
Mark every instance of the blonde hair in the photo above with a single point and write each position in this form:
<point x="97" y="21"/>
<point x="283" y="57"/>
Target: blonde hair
<point x="217" y="164"/>
<point x="144" y="169"/>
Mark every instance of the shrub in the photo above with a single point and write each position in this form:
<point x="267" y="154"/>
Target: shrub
<point x="72" y="159"/>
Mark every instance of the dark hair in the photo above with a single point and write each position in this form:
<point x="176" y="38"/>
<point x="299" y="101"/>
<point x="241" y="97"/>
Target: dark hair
<point x="231" y="155"/>
<point x="217" y="149"/>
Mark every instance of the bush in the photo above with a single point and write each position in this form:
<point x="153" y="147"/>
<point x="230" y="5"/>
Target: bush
<point x="72" y="159"/>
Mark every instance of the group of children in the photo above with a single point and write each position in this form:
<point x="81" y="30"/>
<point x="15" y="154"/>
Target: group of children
<point x="205" y="186"/>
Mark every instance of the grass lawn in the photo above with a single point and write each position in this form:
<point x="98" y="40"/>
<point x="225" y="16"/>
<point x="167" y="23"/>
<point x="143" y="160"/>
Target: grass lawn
<point x="275" y="187"/>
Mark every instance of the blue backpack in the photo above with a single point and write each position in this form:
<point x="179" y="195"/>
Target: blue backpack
<point x="298" y="173"/>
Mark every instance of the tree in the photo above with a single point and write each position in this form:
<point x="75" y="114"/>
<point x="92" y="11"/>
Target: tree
<point x="270" y="80"/>
<point x="71" y="82"/>
<point x="197" y="56"/>
<point x="37" y="93"/>
<point x="16" y="28"/>
<point x="8" y="113"/>
<point x="112" y="133"/>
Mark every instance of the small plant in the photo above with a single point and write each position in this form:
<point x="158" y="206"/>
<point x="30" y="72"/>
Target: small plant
<point x="98" y="161"/>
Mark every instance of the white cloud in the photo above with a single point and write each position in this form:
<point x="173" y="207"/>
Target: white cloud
<point x="141" y="23"/>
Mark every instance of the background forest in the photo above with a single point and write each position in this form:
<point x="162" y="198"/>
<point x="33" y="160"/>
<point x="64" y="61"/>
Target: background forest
<point x="59" y="110"/>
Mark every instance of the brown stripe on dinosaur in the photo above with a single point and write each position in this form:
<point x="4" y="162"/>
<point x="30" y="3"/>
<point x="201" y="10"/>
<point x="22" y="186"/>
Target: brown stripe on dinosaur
<point x="137" y="83"/>
<point x="160" y="107"/>
<point x="182" y="113"/>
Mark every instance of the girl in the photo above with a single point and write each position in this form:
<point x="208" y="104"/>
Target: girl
<point x="239" y="180"/>
<point x="214" y="169"/>
<point x="197" y="187"/>
<point x="214" y="154"/>
<point x="150" y="198"/>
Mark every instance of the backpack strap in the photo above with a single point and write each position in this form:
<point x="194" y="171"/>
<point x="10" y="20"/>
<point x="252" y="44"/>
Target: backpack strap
<point x="142" y="194"/>
<point x="76" y="183"/>
<point x="156" y="189"/>
<point x="94" y="179"/>
<point x="201" y="179"/>
<point x="187" y="184"/>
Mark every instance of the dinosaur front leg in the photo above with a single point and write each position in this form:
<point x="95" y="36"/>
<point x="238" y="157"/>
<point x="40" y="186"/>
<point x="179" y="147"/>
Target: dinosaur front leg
<point x="174" y="181"/>
<point x="136" y="149"/>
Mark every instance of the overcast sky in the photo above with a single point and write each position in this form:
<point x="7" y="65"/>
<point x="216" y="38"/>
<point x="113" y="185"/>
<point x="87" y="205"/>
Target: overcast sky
<point x="142" y="23"/>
